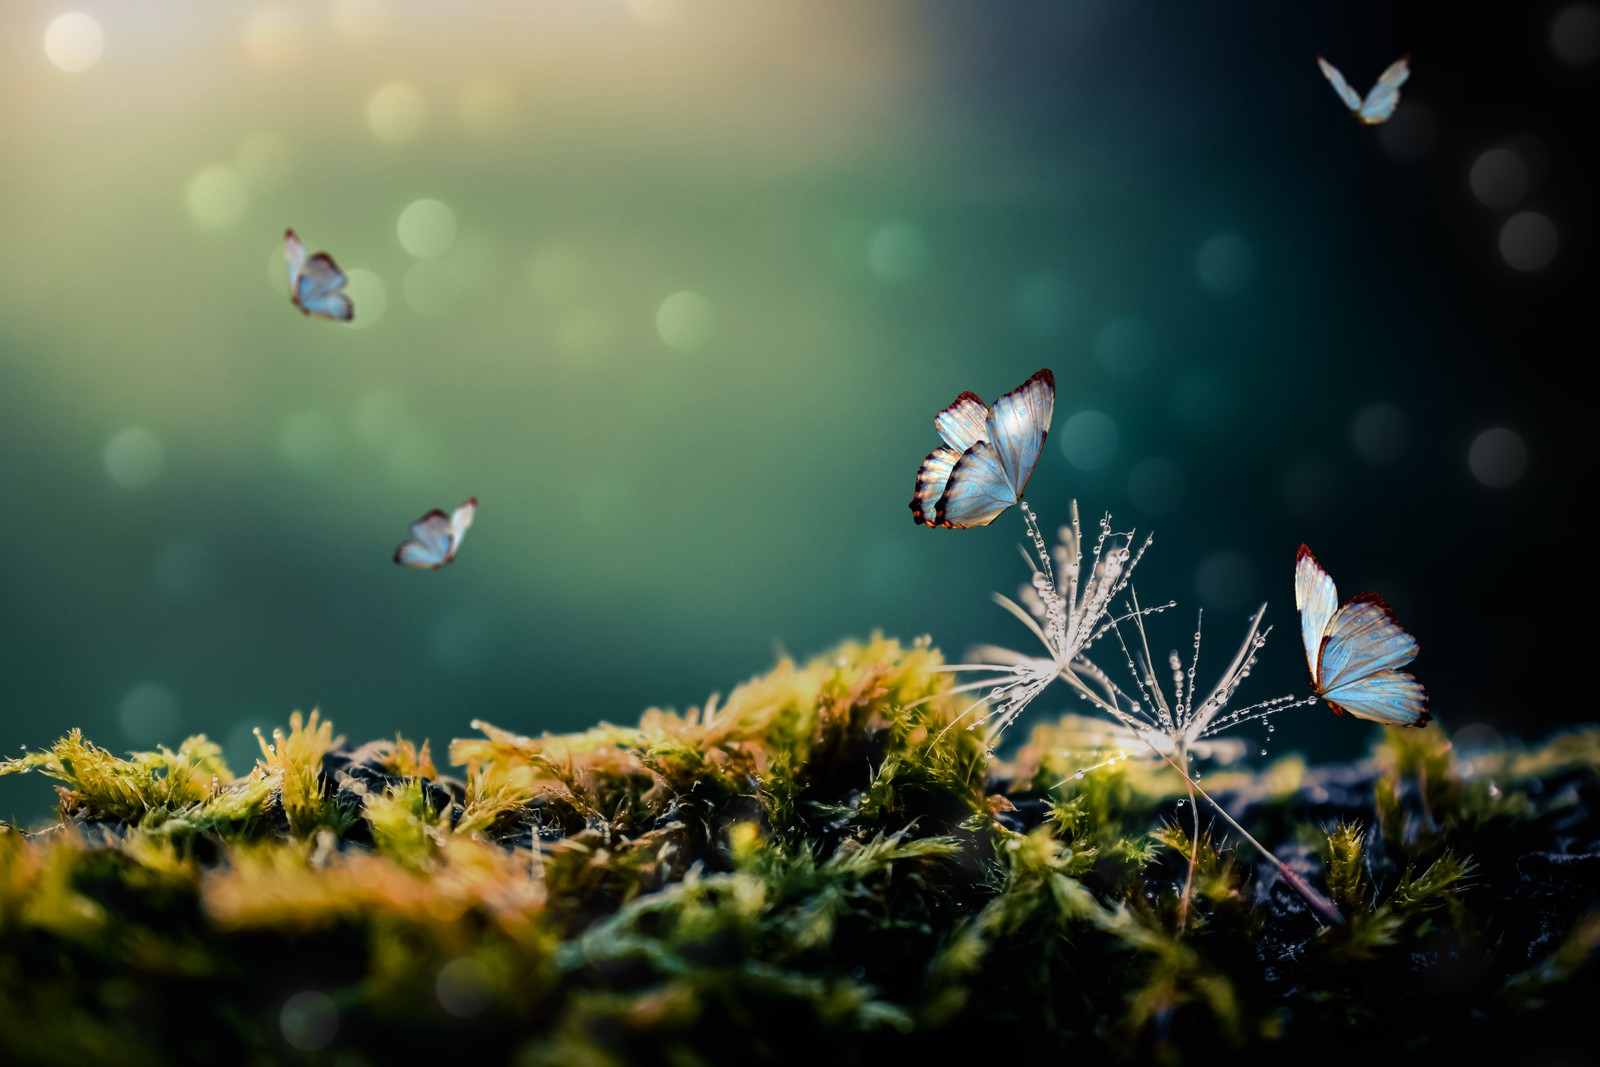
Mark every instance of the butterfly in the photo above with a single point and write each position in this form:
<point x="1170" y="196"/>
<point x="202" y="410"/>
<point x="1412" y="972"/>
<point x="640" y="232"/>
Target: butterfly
<point x="1354" y="651"/>
<point x="315" y="282"/>
<point x="436" y="537"/>
<point x="987" y="457"/>
<point x="1383" y="98"/>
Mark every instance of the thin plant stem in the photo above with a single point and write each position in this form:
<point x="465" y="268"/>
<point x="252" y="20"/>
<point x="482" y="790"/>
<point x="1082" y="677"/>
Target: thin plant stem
<point x="1194" y="842"/>
<point x="1319" y="903"/>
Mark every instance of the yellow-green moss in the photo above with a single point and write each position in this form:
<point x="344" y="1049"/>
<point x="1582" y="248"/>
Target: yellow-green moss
<point x="815" y="866"/>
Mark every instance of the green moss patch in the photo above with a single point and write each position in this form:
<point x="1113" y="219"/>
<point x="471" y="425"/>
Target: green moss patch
<point x="813" y="867"/>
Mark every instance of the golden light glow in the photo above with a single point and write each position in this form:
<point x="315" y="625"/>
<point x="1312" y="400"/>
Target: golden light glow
<point x="74" y="42"/>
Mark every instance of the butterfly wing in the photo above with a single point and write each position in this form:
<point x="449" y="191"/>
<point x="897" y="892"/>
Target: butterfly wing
<point x="1351" y="98"/>
<point x="932" y="477"/>
<point x="1358" y="670"/>
<point x="432" y="543"/>
<point x="1384" y="96"/>
<point x="294" y="254"/>
<point x="1318" y="601"/>
<point x="1018" y="426"/>
<point x="1393" y="698"/>
<point x="460" y="520"/>
<point x="977" y="490"/>
<point x="316" y="290"/>
<point x="1364" y="638"/>
<point x="964" y="423"/>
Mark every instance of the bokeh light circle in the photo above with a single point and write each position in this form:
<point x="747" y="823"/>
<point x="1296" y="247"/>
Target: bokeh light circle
<point x="1575" y="34"/>
<point x="427" y="228"/>
<point x="1226" y="264"/>
<point x="309" y="1021"/>
<point x="1529" y="241"/>
<point x="1157" y="486"/>
<point x="1498" y="457"/>
<point x="1475" y="737"/>
<point x="1380" y="433"/>
<point x="685" y="321"/>
<point x="397" y="113"/>
<point x="1499" y="178"/>
<point x="464" y="987"/>
<point x="74" y="42"/>
<point x="1089" y="440"/>
<point x="897" y="252"/>
<point x="217" y="197"/>
<point x="148" y="715"/>
<point x="274" y="35"/>
<point x="135" y="457"/>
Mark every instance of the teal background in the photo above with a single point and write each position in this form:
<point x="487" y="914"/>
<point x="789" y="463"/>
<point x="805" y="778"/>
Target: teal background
<point x="882" y="205"/>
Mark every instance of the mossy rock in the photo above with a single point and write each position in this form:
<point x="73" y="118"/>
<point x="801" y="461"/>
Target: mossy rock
<point x="818" y="867"/>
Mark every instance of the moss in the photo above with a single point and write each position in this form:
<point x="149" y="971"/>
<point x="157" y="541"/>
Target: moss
<point x="817" y="866"/>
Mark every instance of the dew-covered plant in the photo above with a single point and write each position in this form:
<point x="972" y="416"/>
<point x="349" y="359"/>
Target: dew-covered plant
<point x="1070" y="607"/>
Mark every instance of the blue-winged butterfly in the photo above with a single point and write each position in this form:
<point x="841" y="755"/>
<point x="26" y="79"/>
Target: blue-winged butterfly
<point x="1355" y="651"/>
<point x="987" y="457"/>
<point x="316" y="283"/>
<point x="436" y="537"/>
<point x="1383" y="97"/>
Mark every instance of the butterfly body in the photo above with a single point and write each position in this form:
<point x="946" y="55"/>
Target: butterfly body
<point x="316" y="284"/>
<point x="1355" y="651"/>
<point x="436" y="537"/>
<point x="1381" y="99"/>
<point x="988" y="455"/>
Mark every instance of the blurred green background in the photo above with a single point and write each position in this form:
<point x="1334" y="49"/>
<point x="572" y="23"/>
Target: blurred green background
<point x="676" y="287"/>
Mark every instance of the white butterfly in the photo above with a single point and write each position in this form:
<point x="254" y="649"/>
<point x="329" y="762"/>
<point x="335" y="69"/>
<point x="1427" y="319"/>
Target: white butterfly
<point x="1354" y="651"/>
<point x="436" y="537"/>
<point x="316" y="284"/>
<point x="988" y="455"/>
<point x="1381" y="100"/>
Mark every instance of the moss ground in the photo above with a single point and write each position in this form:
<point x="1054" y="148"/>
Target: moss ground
<point x="812" y="868"/>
